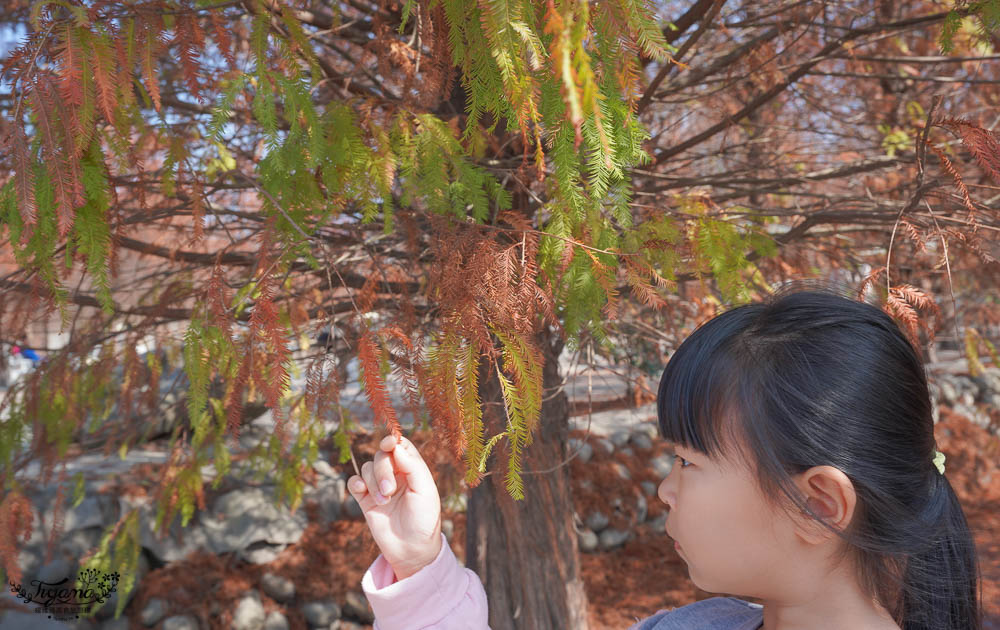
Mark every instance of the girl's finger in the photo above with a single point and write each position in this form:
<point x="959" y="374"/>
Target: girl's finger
<point x="368" y="474"/>
<point x="356" y="486"/>
<point x="384" y="476"/>
<point x="409" y="463"/>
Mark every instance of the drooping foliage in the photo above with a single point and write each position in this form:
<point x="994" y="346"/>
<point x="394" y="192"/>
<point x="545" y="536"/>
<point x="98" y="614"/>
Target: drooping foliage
<point x="432" y="182"/>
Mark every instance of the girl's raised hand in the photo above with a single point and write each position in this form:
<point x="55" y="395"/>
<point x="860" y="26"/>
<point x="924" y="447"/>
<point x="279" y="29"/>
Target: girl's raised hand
<point x="400" y="502"/>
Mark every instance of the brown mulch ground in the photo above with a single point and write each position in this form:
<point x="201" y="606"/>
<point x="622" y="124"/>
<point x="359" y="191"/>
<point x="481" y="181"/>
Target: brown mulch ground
<point x="622" y="586"/>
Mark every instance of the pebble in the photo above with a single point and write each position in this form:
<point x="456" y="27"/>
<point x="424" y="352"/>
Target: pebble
<point x="596" y="521"/>
<point x="648" y="488"/>
<point x="949" y="393"/>
<point x="447" y="528"/>
<point x="120" y="623"/>
<point x="583" y="450"/>
<point x="619" y="438"/>
<point x="622" y="470"/>
<point x="649" y="428"/>
<point x="249" y="613"/>
<point x="57" y="569"/>
<point x="356" y="606"/>
<point x="180" y="622"/>
<point x="325" y="469"/>
<point x="321" y="613"/>
<point x="658" y="524"/>
<point x="352" y="509"/>
<point x="260" y="552"/>
<point x="275" y="621"/>
<point x="153" y="611"/>
<point x="278" y="588"/>
<point x="587" y="541"/>
<point x="641" y="508"/>
<point x="641" y="441"/>
<point x="14" y="620"/>
<point x="613" y="538"/>
<point x="662" y="465"/>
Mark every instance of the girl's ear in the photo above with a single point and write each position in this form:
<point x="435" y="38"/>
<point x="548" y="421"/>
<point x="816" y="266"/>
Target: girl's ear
<point x="831" y="496"/>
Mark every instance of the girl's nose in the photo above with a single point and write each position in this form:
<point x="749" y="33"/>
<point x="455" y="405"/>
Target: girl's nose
<point x="666" y="491"/>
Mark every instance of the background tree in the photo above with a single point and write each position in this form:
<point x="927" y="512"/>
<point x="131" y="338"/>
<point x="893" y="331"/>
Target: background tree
<point x="453" y="191"/>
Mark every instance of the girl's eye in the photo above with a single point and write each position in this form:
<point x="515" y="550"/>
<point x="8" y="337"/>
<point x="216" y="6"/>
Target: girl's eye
<point x="684" y="463"/>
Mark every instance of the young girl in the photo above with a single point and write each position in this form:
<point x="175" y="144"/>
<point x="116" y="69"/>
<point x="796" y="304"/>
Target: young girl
<point x="806" y="477"/>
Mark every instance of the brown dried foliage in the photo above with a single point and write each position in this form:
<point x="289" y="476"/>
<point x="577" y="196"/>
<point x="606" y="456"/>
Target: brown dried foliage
<point x="378" y="397"/>
<point x="15" y="529"/>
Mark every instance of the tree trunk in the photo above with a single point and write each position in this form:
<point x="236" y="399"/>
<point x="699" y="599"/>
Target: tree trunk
<point x="525" y="551"/>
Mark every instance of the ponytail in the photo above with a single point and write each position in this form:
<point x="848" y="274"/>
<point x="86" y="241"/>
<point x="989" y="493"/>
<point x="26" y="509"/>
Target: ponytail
<point x="942" y="579"/>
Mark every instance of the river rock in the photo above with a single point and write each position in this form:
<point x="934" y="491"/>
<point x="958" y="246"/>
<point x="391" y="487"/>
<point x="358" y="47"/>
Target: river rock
<point x="275" y="621"/>
<point x="15" y="620"/>
<point x="120" y="623"/>
<point x="658" y="524"/>
<point x="242" y="517"/>
<point x="323" y="468"/>
<point x="57" y="569"/>
<point x="583" y="450"/>
<point x="992" y="400"/>
<point x="80" y="541"/>
<point x="329" y="494"/>
<point x="180" y="622"/>
<point x="949" y="393"/>
<point x="278" y="588"/>
<point x="612" y="538"/>
<point x="356" y="606"/>
<point x="352" y="509"/>
<point x="321" y="614"/>
<point x="249" y="613"/>
<point x="662" y="465"/>
<point x="596" y="521"/>
<point x="587" y="541"/>
<point x="153" y="611"/>
<point x="171" y="545"/>
<point x="622" y="470"/>
<point x="260" y="552"/>
<point x="649" y="428"/>
<point x="93" y="511"/>
<point x="619" y="438"/>
<point x="641" y="441"/>
<point x="641" y="508"/>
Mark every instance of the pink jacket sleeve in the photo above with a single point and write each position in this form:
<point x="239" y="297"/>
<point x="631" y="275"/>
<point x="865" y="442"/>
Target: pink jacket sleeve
<point x="444" y="595"/>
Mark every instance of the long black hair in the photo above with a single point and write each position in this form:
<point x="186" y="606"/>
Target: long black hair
<point x="808" y="378"/>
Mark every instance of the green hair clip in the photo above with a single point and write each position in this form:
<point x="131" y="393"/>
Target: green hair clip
<point x="939" y="461"/>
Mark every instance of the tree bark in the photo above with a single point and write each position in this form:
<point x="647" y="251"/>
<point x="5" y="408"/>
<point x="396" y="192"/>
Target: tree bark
<point x="525" y="551"/>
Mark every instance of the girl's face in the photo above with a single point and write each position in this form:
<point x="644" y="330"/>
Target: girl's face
<point x="733" y="542"/>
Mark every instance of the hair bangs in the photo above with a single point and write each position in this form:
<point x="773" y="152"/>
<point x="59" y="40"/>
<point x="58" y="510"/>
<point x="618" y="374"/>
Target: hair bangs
<point x="697" y="402"/>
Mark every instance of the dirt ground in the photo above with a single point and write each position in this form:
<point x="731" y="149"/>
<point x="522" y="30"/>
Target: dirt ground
<point x="622" y="586"/>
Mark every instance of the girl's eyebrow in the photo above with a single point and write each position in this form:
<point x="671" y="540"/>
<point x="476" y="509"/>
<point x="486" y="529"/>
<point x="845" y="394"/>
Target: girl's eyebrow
<point x="680" y="447"/>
